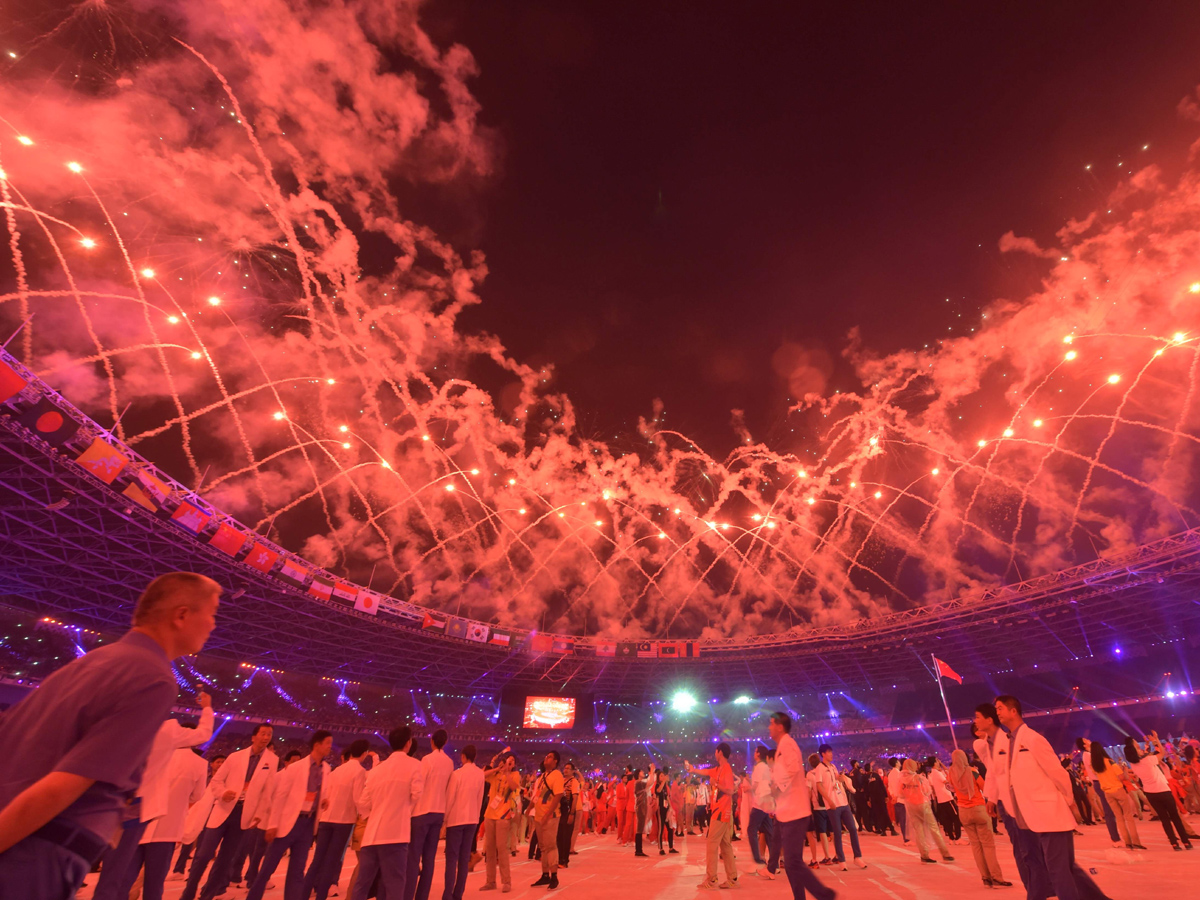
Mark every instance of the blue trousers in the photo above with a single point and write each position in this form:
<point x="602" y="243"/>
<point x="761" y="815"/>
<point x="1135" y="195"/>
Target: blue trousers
<point x="1027" y="852"/>
<point x="839" y="816"/>
<point x="117" y="860"/>
<point x="759" y="821"/>
<point x="298" y="841"/>
<point x="249" y="854"/>
<point x="37" y="869"/>
<point x="227" y="836"/>
<point x="156" y="857"/>
<point x="458" y="855"/>
<point x="1109" y="819"/>
<point x="1068" y="880"/>
<point x="799" y="875"/>
<point x="902" y="820"/>
<point x="388" y="863"/>
<point x="326" y="865"/>
<point x="422" y="854"/>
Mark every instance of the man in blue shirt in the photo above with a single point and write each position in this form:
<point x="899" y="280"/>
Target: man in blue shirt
<point x="80" y="740"/>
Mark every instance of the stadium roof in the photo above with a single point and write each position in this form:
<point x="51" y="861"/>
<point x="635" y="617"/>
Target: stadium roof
<point x="79" y="539"/>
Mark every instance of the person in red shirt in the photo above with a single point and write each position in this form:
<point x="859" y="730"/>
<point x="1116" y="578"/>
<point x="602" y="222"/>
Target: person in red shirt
<point x="720" y="824"/>
<point x="621" y="792"/>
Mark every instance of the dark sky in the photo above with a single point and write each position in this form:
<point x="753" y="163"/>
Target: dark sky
<point x="684" y="186"/>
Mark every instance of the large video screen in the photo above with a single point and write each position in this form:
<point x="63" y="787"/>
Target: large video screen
<point x="549" y="712"/>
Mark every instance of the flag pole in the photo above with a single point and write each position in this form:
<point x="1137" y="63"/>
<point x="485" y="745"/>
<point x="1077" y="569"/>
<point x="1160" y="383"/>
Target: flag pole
<point x="949" y="720"/>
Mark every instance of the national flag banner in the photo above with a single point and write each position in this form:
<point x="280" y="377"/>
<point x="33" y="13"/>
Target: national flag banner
<point x="626" y="651"/>
<point x="457" y="628"/>
<point x="228" y="539"/>
<point x="191" y="518"/>
<point x="645" y="650"/>
<point x="11" y="382"/>
<point x="153" y="487"/>
<point x="135" y="493"/>
<point x="433" y="623"/>
<point x="102" y="459"/>
<point x="477" y="632"/>
<point x="606" y="649"/>
<point x="53" y="425"/>
<point x="668" y="649"/>
<point x="541" y="643"/>
<point x="346" y="593"/>
<point x="293" y="573"/>
<point x="563" y="646"/>
<point x="262" y="558"/>
<point x="500" y="638"/>
<point x="946" y="672"/>
<point x="689" y="649"/>
<point x="366" y="602"/>
<point x="321" y="588"/>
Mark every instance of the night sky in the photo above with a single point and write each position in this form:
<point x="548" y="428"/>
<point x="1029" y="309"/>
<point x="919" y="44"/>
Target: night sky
<point x="685" y="188"/>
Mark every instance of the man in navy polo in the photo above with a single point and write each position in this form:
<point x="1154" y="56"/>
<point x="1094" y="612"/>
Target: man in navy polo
<point x="79" y="742"/>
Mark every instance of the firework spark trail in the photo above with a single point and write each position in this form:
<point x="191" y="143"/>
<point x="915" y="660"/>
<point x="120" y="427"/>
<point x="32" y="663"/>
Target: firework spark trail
<point x="289" y="166"/>
<point x="75" y="293"/>
<point x="18" y="259"/>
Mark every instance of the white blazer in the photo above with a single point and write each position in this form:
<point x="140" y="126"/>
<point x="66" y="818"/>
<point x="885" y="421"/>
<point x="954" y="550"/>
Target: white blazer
<point x="232" y="776"/>
<point x="393" y="788"/>
<point x="184" y="778"/>
<point x="290" y="787"/>
<point x="171" y="736"/>
<point x="1039" y="782"/>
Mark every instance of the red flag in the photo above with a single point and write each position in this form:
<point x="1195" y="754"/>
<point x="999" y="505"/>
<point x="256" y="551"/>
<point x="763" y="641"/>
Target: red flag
<point x="228" y="540"/>
<point x="11" y="382"/>
<point x="262" y="558"/>
<point x="946" y="672"/>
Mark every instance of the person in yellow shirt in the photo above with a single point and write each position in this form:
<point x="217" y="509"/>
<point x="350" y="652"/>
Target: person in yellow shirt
<point x="547" y="794"/>
<point x="504" y="787"/>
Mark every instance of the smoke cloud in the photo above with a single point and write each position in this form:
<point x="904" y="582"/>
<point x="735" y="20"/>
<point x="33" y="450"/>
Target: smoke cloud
<point x="215" y="261"/>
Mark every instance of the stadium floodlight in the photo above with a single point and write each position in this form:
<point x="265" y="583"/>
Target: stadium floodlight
<point x="742" y="700"/>
<point x="682" y="702"/>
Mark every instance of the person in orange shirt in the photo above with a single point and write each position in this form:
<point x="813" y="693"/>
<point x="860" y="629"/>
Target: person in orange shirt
<point x="620" y="793"/>
<point x="720" y="824"/>
<point x="630" y="809"/>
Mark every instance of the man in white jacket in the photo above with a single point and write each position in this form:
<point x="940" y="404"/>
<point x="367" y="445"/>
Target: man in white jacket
<point x="185" y="779"/>
<point x="427" y="818"/>
<point x="1032" y="784"/>
<point x="393" y="788"/>
<point x="793" y="809"/>
<point x="298" y="797"/>
<point x="241" y="797"/>
<point x="464" y="803"/>
<point x="151" y="800"/>
<point x="336" y="824"/>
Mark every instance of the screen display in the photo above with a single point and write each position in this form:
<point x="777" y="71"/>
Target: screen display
<point x="549" y="712"/>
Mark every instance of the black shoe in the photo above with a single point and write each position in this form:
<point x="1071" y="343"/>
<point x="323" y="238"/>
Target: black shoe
<point x="1138" y="847"/>
<point x="1176" y="847"/>
<point x="928" y="859"/>
<point x="673" y="850"/>
<point x="545" y="879"/>
<point x="553" y="881"/>
<point x="1187" y="845"/>
<point x="948" y="858"/>
<point x="996" y="882"/>
<point x="640" y="853"/>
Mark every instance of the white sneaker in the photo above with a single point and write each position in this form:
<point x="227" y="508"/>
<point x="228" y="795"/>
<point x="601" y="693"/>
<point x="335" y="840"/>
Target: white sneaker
<point x="764" y="872"/>
<point x="858" y="861"/>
